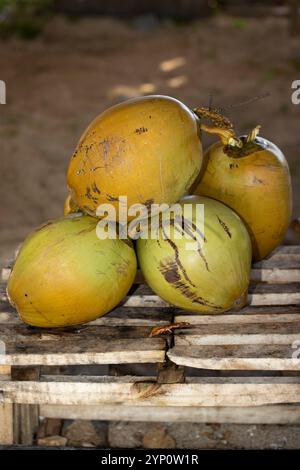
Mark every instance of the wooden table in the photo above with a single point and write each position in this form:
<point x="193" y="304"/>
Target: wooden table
<point x="239" y="367"/>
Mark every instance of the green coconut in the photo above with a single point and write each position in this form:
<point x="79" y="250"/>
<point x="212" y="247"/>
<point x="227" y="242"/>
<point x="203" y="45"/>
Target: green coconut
<point x="208" y="268"/>
<point x="65" y="275"/>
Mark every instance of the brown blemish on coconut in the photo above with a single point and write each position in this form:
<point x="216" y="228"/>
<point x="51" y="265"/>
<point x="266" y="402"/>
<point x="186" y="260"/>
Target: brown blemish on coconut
<point x="224" y="226"/>
<point x="141" y="130"/>
<point x="111" y="198"/>
<point x="177" y="259"/>
<point x="95" y="188"/>
<point x="170" y="270"/>
<point x="187" y="228"/>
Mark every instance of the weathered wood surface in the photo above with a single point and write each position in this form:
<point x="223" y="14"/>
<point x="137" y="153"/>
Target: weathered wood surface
<point x="248" y="314"/>
<point x="4" y="371"/>
<point x="266" y="414"/>
<point x="6" y="423"/>
<point x="90" y="351"/>
<point x="26" y="421"/>
<point x="237" y="357"/>
<point x="282" y="266"/>
<point x="87" y="344"/>
<point x="276" y="332"/>
<point x="260" y="337"/>
<point x="66" y="390"/>
<point x="6" y="412"/>
<point x="26" y="416"/>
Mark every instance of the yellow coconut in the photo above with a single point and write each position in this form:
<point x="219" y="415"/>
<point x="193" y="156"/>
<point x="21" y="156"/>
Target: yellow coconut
<point x="207" y="269"/>
<point x="148" y="149"/>
<point x="250" y="175"/>
<point x="65" y="275"/>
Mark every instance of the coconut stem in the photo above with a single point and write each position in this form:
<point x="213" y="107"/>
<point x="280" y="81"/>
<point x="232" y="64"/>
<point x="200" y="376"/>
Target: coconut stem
<point x="222" y="126"/>
<point x="226" y="136"/>
<point x="253" y="134"/>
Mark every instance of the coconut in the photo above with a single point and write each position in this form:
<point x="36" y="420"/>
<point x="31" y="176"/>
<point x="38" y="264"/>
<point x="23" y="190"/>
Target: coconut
<point x="250" y="174"/>
<point x="207" y="269"/>
<point x="147" y="149"/>
<point x="65" y="275"/>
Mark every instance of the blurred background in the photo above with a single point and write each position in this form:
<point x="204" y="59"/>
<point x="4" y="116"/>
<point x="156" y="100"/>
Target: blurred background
<point x="65" y="61"/>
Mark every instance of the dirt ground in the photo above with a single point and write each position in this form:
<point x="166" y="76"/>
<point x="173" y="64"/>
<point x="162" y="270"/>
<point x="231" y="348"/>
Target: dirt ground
<point x="57" y="83"/>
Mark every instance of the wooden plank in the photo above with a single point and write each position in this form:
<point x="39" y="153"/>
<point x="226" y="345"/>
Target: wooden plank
<point x="78" y="350"/>
<point x="244" y="333"/>
<point x="274" y="294"/>
<point x="236" y="357"/>
<point x="83" y="345"/>
<point x="4" y="371"/>
<point x="268" y="414"/>
<point x="280" y="262"/>
<point x="5" y="273"/>
<point x="89" y="391"/>
<point x="276" y="275"/>
<point x="87" y="344"/>
<point x="3" y="294"/>
<point x="284" y="251"/>
<point x="232" y="339"/>
<point x="247" y="324"/>
<point x="6" y="424"/>
<point x="26" y="416"/>
<point x="26" y="421"/>
<point x="133" y="379"/>
<point x="9" y="318"/>
<point x="88" y="332"/>
<point x="195" y="320"/>
<point x="6" y="412"/>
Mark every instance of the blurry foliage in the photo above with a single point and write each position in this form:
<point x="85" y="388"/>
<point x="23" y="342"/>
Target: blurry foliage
<point x="240" y="23"/>
<point x="24" y="18"/>
<point x="269" y="74"/>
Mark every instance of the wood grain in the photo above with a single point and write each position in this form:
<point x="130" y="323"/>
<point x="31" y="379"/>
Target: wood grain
<point x="90" y="391"/>
<point x="236" y="357"/>
<point x="268" y="414"/>
<point x="6" y="412"/>
<point x="245" y="333"/>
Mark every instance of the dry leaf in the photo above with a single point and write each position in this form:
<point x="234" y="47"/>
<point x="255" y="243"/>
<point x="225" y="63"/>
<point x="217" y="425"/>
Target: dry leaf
<point x="162" y="330"/>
